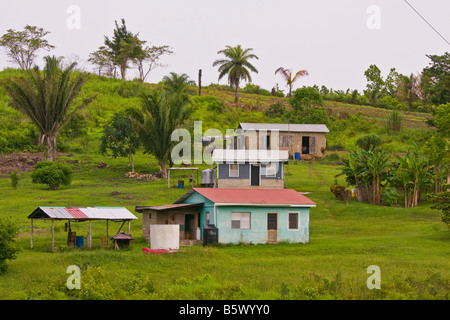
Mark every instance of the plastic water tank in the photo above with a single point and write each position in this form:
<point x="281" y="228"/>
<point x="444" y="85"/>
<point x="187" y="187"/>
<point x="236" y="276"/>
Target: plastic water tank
<point x="208" y="176"/>
<point x="210" y="235"/>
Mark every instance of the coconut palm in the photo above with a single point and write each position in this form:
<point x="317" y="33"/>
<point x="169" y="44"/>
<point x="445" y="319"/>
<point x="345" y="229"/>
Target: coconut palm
<point x="47" y="98"/>
<point x="236" y="66"/>
<point x="287" y="75"/>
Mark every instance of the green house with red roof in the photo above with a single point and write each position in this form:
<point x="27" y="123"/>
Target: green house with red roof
<point x="240" y="215"/>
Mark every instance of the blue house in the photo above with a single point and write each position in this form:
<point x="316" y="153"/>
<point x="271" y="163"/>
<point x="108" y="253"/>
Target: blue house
<point x="238" y="168"/>
<point x="241" y="215"/>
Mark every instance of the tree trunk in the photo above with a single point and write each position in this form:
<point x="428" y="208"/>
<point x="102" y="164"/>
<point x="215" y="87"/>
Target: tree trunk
<point x="163" y="169"/>
<point x="131" y="161"/>
<point x="236" y="93"/>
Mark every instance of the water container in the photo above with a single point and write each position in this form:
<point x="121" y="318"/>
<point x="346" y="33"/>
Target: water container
<point x="180" y="184"/>
<point x="208" y="176"/>
<point x="79" y="241"/>
<point x="210" y="235"/>
<point x="297" y="156"/>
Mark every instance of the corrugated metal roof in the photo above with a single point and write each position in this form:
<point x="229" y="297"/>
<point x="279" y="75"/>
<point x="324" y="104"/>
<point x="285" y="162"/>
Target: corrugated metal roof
<point x="167" y="206"/>
<point x="94" y="213"/>
<point x="293" y="127"/>
<point x="241" y="155"/>
<point x="255" y="196"/>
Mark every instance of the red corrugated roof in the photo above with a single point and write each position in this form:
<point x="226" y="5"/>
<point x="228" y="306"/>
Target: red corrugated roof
<point x="255" y="196"/>
<point x="76" y="213"/>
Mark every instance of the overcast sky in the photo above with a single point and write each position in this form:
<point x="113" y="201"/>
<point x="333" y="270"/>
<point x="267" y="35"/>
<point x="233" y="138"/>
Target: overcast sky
<point x="335" y="41"/>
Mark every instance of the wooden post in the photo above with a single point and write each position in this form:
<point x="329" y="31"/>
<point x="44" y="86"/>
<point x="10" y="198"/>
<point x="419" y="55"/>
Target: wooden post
<point x="53" y="235"/>
<point x="310" y="168"/>
<point x="31" y="234"/>
<point x="168" y="178"/>
<point x="200" y="82"/>
<point x="107" y="231"/>
<point x="89" y="240"/>
<point x="129" y="226"/>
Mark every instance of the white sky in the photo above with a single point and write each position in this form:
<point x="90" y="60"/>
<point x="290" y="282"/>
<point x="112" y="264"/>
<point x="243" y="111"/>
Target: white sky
<point x="330" y="39"/>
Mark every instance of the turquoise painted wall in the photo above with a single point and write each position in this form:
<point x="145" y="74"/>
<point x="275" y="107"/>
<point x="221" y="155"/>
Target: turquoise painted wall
<point x="208" y="206"/>
<point x="258" y="225"/>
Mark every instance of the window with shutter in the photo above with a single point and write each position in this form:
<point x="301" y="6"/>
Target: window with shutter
<point x="240" y="220"/>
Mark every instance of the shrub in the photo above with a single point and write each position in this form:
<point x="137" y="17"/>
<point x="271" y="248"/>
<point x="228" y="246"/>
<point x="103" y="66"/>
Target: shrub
<point x="52" y="174"/>
<point x="394" y="122"/>
<point x="275" y="110"/>
<point x="366" y="141"/>
<point x="389" y="195"/>
<point x="14" y="179"/>
<point x="305" y="97"/>
<point x="8" y="250"/>
<point x="340" y="192"/>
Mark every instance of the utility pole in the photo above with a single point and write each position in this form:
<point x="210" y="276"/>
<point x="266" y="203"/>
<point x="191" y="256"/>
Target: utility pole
<point x="200" y="82"/>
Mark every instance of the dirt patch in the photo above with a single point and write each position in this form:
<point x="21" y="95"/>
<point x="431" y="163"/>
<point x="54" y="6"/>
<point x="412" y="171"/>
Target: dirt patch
<point x="19" y="162"/>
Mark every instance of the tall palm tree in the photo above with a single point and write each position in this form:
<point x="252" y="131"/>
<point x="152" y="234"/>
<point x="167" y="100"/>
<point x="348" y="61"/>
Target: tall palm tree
<point x="47" y="98"/>
<point x="236" y="66"/>
<point x="163" y="110"/>
<point x="287" y="75"/>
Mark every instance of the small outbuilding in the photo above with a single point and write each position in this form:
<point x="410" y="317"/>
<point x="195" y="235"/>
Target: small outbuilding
<point x="114" y="214"/>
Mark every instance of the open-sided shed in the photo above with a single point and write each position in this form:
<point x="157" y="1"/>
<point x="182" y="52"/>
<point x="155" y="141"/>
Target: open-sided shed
<point x="116" y="214"/>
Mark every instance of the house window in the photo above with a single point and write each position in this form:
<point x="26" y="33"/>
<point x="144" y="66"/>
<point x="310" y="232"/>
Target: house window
<point x="293" y="220"/>
<point x="240" y="220"/>
<point x="207" y="217"/>
<point x="271" y="169"/>
<point x="234" y="170"/>
<point x="285" y="141"/>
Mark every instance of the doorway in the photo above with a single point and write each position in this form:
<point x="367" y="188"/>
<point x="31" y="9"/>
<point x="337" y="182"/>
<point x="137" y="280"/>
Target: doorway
<point x="272" y="227"/>
<point x="305" y="145"/>
<point x="255" y="175"/>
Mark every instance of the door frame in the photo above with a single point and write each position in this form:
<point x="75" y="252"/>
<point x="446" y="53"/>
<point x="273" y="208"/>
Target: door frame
<point x="274" y="233"/>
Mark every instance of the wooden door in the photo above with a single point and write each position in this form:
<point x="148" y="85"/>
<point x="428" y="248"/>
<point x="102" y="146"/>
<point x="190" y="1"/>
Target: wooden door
<point x="272" y="227"/>
<point x="255" y="175"/>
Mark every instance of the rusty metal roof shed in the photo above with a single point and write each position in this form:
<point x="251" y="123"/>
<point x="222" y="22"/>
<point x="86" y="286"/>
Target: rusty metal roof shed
<point x="88" y="213"/>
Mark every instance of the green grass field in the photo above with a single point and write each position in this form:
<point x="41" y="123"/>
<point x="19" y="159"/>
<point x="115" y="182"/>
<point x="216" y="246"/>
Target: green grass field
<point x="411" y="246"/>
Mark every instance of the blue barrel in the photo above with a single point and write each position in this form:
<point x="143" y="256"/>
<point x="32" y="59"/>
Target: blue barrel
<point x="297" y="156"/>
<point x="180" y="184"/>
<point x="79" y="242"/>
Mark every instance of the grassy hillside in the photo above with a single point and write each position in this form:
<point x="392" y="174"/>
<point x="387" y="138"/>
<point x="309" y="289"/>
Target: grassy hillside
<point x="215" y="108"/>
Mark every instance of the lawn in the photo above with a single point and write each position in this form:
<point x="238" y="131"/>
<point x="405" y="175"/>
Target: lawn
<point x="410" y="246"/>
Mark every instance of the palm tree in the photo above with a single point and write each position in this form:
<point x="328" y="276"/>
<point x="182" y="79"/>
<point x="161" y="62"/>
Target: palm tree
<point x="287" y="75"/>
<point x="407" y="88"/>
<point x="236" y="66"/>
<point x="163" y="110"/>
<point x="47" y="98"/>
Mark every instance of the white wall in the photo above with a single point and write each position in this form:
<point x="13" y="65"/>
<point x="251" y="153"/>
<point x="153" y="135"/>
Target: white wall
<point x="165" y="236"/>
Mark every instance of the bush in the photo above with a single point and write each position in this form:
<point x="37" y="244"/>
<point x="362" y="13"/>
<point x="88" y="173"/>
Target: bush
<point x="366" y="141"/>
<point x="340" y="192"/>
<point x="394" y="122"/>
<point x="52" y="174"/>
<point x="14" y="179"/>
<point x="275" y="110"/>
<point x="305" y="97"/>
<point x="8" y="250"/>
<point x="389" y="195"/>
